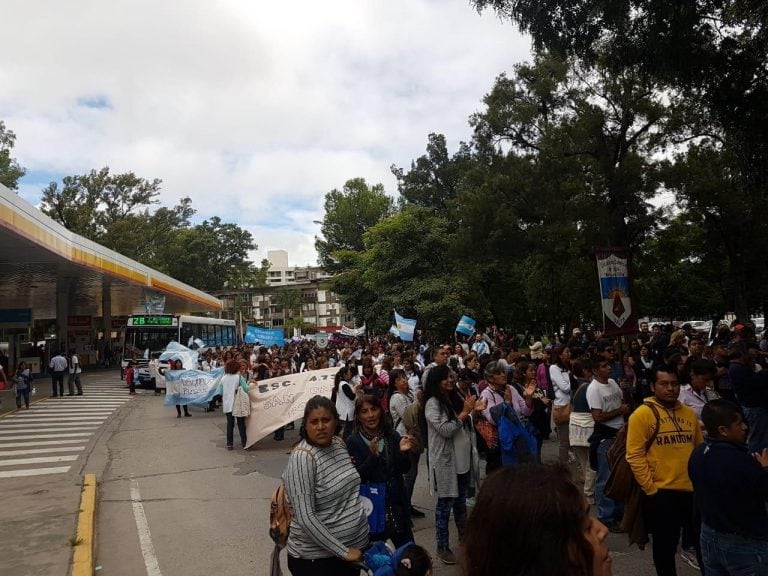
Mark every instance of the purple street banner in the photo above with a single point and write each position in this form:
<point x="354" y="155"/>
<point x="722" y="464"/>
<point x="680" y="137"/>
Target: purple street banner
<point x="619" y="313"/>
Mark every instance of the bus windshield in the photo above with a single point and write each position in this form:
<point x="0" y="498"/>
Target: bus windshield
<point x="137" y="340"/>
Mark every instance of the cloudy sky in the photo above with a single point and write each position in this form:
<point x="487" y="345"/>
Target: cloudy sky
<point x="253" y="109"/>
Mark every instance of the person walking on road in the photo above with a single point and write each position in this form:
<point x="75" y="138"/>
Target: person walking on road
<point x="23" y="383"/>
<point x="231" y="380"/>
<point x="59" y="367"/>
<point x="74" y="374"/>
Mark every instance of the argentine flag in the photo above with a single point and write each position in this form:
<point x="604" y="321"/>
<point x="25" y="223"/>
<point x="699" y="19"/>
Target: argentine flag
<point x="405" y="327"/>
<point x="466" y="326"/>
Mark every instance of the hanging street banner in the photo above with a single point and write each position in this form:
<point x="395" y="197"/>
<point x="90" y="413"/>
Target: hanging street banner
<point x="192" y="386"/>
<point x="466" y="326"/>
<point x="264" y="336"/>
<point x="353" y="332"/>
<point x="619" y="313"/>
<point x="279" y="401"/>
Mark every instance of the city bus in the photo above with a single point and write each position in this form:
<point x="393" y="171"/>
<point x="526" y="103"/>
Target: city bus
<point x="147" y="335"/>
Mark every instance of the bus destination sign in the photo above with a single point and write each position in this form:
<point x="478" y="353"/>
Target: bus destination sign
<point x="152" y="321"/>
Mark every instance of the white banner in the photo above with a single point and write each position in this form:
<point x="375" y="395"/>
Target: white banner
<point x="279" y="401"/>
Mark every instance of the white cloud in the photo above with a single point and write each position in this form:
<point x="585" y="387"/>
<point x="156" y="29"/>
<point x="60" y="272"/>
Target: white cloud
<point x="254" y="110"/>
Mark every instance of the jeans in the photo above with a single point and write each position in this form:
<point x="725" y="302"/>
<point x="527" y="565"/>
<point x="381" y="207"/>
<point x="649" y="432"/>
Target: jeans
<point x="757" y="418"/>
<point x="608" y="511"/>
<point x="22" y="395"/>
<point x="667" y="512"/>
<point x="231" y="428"/>
<point x="732" y="555"/>
<point x="459" y="507"/>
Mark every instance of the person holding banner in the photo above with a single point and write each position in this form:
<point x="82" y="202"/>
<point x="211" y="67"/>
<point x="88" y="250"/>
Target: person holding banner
<point x="230" y="382"/>
<point x="329" y="528"/>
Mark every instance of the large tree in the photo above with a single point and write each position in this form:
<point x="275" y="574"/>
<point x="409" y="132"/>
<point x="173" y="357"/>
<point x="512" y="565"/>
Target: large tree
<point x="349" y="213"/>
<point x="10" y="170"/>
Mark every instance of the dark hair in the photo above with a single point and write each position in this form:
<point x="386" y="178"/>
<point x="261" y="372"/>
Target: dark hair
<point x="435" y="376"/>
<point x="313" y="404"/>
<point x="557" y="355"/>
<point x="719" y="412"/>
<point x="519" y="507"/>
<point x="384" y="424"/>
<point x="414" y="561"/>
<point x="662" y="367"/>
<point x="521" y="368"/>
<point x="703" y="367"/>
<point x="394" y="375"/>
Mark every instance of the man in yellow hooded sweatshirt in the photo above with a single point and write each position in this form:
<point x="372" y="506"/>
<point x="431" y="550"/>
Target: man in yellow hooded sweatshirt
<point x="662" y="470"/>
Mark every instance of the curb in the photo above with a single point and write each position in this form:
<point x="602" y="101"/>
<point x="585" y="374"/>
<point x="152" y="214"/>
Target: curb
<point x="82" y="560"/>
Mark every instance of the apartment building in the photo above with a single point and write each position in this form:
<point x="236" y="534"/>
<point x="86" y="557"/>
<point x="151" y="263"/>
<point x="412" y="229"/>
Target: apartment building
<point x="293" y="294"/>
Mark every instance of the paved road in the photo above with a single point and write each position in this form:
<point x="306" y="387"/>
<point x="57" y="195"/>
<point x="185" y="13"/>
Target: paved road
<point x="172" y="500"/>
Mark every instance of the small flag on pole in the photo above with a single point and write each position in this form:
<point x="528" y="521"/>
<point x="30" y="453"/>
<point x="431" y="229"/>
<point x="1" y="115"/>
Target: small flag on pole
<point x="405" y="326"/>
<point x="466" y="326"/>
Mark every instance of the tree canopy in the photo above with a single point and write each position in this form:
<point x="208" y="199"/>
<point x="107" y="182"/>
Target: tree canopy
<point x="115" y="210"/>
<point x="10" y="170"/>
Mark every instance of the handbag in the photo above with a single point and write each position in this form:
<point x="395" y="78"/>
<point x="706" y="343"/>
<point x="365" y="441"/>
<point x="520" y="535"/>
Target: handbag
<point x="374" y="498"/>
<point x="488" y="432"/>
<point x="242" y="405"/>
<point x="561" y="414"/>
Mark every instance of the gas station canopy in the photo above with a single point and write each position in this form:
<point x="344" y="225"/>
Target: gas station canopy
<point x="52" y="271"/>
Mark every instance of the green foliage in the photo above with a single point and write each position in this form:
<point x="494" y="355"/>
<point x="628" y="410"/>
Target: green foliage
<point x="349" y="213"/>
<point x="10" y="170"/>
<point x="114" y="210"/>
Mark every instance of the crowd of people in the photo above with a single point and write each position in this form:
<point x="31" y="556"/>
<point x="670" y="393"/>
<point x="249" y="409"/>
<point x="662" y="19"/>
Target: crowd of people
<point x="691" y="412"/>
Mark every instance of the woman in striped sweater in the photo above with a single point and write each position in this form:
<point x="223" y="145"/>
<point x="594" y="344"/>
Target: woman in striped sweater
<point x="329" y="528"/>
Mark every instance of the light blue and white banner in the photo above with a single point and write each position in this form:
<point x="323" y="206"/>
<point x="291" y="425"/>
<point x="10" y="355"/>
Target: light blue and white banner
<point x="405" y="327"/>
<point x="192" y="386"/>
<point x="175" y="351"/>
<point x="466" y="326"/>
<point x="264" y="336"/>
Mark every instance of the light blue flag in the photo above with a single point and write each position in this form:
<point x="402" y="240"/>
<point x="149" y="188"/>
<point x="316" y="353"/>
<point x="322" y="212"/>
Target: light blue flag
<point x="466" y="326"/>
<point x="394" y="330"/>
<point x="405" y="326"/>
<point x="264" y="336"/>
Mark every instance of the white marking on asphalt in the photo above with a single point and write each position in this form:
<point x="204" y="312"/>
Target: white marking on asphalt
<point x="43" y="460"/>
<point x="34" y="472"/>
<point x="25" y="436"/>
<point x="39" y="450"/>
<point x="145" y="538"/>
<point x="28" y="430"/>
<point x="4" y="444"/>
<point x="55" y="419"/>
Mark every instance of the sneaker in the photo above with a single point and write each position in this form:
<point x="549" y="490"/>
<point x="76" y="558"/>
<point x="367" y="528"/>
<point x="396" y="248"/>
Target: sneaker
<point x="688" y="555"/>
<point x="416" y="513"/>
<point x="615" y="528"/>
<point x="446" y="556"/>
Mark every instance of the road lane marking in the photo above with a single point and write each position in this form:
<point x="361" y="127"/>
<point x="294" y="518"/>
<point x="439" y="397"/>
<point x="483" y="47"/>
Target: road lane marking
<point x="34" y="472"/>
<point x="28" y="430"/>
<point x="43" y="460"/>
<point x="145" y="538"/>
<point x="4" y="444"/>
<point x="28" y="437"/>
<point x="39" y="450"/>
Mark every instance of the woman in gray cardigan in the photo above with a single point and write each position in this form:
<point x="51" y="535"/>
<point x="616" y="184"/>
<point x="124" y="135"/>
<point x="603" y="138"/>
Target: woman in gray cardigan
<point x="452" y="456"/>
